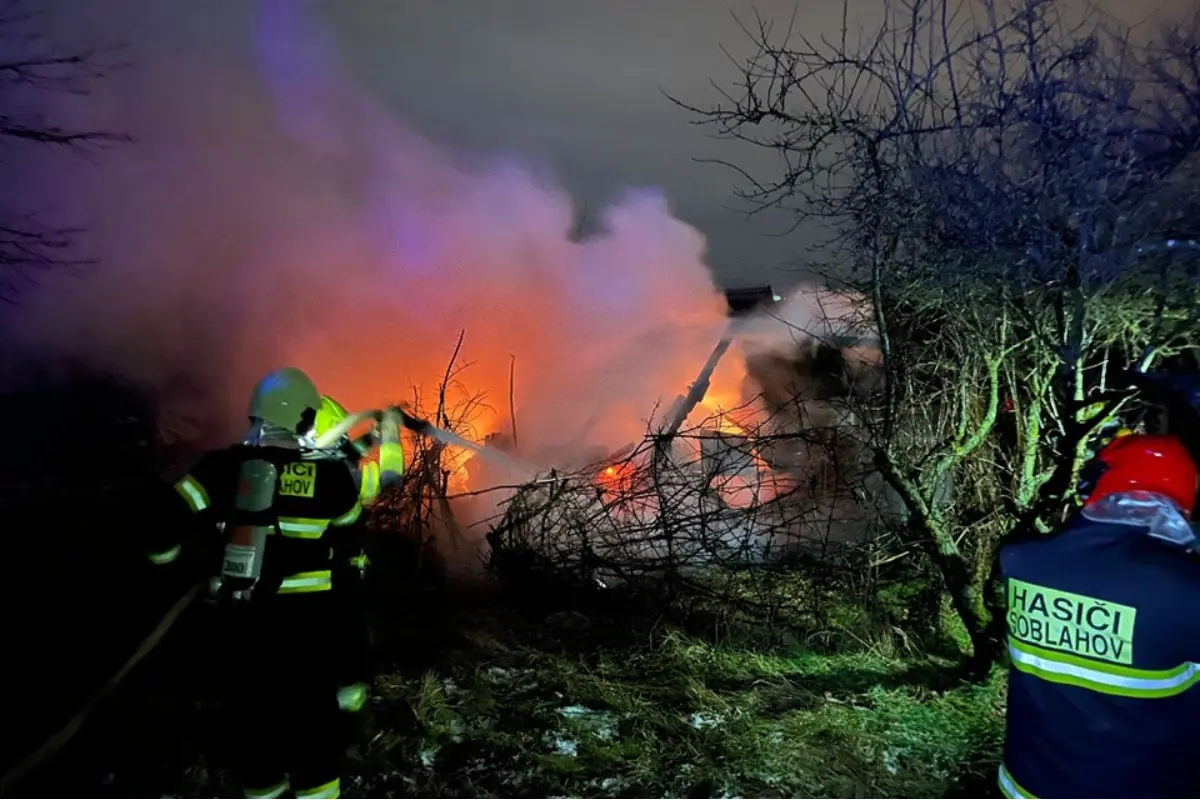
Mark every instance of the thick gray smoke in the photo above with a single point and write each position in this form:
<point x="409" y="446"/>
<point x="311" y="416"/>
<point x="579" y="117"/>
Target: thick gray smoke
<point x="282" y="216"/>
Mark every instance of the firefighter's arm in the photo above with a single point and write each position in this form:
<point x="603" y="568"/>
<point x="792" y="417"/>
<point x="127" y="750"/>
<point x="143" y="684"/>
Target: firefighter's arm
<point x="376" y="476"/>
<point x="366" y="476"/>
<point x="178" y="504"/>
<point x="391" y="451"/>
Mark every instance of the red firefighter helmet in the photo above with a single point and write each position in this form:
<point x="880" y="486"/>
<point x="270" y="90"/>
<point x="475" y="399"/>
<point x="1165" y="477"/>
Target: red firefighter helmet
<point x="1148" y="463"/>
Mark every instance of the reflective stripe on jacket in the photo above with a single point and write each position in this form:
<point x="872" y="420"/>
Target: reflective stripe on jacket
<point x="1104" y="647"/>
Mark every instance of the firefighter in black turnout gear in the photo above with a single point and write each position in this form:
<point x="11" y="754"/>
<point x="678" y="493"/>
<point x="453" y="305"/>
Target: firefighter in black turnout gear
<point x="292" y="528"/>
<point x="1104" y="635"/>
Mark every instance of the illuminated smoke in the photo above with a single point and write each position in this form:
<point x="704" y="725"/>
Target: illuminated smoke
<point x="284" y="217"/>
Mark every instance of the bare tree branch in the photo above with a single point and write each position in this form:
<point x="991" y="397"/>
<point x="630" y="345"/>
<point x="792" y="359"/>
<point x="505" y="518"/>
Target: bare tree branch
<point x="31" y="71"/>
<point x="996" y="178"/>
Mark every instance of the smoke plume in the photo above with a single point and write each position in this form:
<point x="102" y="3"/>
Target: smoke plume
<point x="281" y="216"/>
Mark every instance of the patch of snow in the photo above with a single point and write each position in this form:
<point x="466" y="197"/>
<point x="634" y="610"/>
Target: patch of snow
<point x="565" y="747"/>
<point x="601" y="724"/>
<point x="510" y="676"/>
<point x="575" y="711"/>
<point x="704" y="719"/>
<point x="597" y="787"/>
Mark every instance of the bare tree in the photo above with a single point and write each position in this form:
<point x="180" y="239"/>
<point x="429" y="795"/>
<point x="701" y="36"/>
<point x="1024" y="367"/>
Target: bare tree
<point x="997" y="180"/>
<point x="29" y="68"/>
<point x="420" y="505"/>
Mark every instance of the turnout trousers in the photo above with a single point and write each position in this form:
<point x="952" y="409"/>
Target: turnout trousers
<point x="283" y="692"/>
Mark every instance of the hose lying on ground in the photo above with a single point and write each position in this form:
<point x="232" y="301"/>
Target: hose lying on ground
<point x="68" y="731"/>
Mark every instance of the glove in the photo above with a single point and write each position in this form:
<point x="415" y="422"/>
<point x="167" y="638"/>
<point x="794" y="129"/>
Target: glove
<point x="414" y="424"/>
<point x="390" y="422"/>
<point x="352" y="698"/>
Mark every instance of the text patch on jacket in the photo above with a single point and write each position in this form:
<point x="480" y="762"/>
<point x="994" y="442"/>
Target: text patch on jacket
<point x="1071" y="623"/>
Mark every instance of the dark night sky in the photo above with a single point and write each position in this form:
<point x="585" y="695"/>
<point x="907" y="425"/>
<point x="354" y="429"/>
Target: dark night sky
<point x="572" y="84"/>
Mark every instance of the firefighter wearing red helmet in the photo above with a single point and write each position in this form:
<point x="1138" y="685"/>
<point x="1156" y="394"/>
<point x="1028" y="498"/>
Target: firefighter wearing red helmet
<point x="1104" y="636"/>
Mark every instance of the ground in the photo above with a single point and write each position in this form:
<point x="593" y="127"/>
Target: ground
<point x="514" y="707"/>
<point x="483" y="692"/>
<point x="682" y="718"/>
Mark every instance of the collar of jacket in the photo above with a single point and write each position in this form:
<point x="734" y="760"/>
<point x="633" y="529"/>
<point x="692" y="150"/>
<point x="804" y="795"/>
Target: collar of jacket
<point x="1158" y="515"/>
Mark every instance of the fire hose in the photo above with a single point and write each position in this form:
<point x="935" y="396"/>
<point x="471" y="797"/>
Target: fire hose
<point x="75" y="724"/>
<point x="424" y="427"/>
<point x="68" y="731"/>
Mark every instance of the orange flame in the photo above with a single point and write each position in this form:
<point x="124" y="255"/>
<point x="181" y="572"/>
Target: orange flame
<point x="615" y="478"/>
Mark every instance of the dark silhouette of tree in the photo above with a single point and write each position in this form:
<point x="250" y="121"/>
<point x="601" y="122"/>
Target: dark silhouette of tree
<point x="1013" y="195"/>
<point x="29" y="67"/>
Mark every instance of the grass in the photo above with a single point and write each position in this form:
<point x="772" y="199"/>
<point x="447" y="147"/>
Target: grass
<point x="677" y="717"/>
<point x="489" y="700"/>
